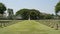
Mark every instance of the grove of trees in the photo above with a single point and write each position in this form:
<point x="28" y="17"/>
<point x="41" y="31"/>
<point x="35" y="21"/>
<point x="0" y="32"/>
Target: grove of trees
<point x="33" y="14"/>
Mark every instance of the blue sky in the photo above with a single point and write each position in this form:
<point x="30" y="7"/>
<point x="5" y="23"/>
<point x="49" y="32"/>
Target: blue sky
<point x="46" y="6"/>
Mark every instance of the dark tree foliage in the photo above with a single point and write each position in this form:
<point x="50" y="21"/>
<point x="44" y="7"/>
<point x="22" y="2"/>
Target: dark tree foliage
<point x="48" y="16"/>
<point x="28" y="13"/>
<point x="10" y="13"/>
<point x="57" y="8"/>
<point x="23" y="13"/>
<point x="2" y="8"/>
<point x="33" y="14"/>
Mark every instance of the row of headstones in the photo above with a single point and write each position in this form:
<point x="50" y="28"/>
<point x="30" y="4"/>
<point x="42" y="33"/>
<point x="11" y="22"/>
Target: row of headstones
<point x="4" y="23"/>
<point x="54" y="25"/>
<point x="8" y="23"/>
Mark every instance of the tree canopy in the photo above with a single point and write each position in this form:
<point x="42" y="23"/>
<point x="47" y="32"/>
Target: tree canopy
<point x="2" y="8"/>
<point x="10" y="13"/>
<point x="28" y="13"/>
<point x="57" y="8"/>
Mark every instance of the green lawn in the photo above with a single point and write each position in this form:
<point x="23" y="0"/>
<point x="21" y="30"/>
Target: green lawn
<point x="28" y="27"/>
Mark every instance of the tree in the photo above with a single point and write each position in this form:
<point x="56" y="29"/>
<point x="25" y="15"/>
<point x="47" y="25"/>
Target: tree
<point x="2" y="8"/>
<point x="57" y="7"/>
<point x="23" y="12"/>
<point x="28" y="13"/>
<point x="10" y="13"/>
<point x="34" y="14"/>
<point x="48" y="16"/>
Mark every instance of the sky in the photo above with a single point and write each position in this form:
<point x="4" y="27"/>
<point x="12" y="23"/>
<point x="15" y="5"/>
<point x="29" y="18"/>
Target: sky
<point x="44" y="6"/>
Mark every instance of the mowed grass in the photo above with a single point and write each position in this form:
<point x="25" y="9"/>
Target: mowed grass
<point x="28" y="27"/>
